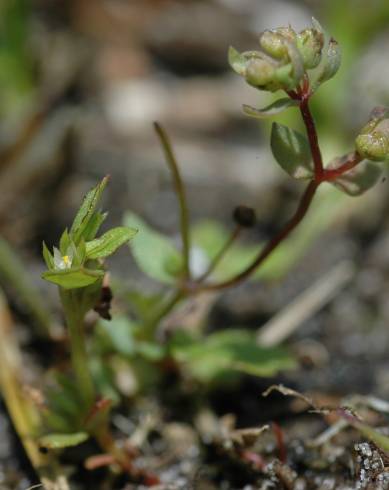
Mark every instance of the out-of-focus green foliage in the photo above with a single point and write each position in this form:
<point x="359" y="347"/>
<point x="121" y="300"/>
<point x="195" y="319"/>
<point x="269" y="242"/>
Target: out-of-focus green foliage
<point x="16" y="67"/>
<point x="223" y="353"/>
<point x="154" y="254"/>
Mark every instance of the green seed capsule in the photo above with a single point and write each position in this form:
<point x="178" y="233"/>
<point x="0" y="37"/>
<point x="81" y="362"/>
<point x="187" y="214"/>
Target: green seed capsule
<point x="259" y="72"/>
<point x="273" y="43"/>
<point x="373" y="141"/>
<point x="310" y="43"/>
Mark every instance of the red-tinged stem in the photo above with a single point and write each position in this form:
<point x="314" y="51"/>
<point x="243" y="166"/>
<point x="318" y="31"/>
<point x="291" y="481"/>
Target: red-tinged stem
<point x="303" y="94"/>
<point x="333" y="173"/>
<point x="312" y="137"/>
<point x="272" y="244"/>
<point x="279" y="435"/>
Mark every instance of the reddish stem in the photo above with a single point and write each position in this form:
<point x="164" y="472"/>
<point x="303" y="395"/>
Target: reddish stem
<point x="279" y="435"/>
<point x="272" y="244"/>
<point x="312" y="137"/>
<point x="333" y="173"/>
<point x="302" y="94"/>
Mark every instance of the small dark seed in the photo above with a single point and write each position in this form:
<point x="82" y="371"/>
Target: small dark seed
<point x="244" y="216"/>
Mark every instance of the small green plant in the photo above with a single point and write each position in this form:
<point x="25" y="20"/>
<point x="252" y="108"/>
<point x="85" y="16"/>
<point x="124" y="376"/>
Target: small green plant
<point x="77" y="268"/>
<point x="295" y="63"/>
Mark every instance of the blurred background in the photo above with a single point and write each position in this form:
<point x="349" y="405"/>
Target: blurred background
<point x="81" y="82"/>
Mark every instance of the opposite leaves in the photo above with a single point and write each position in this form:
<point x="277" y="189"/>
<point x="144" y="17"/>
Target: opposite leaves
<point x="291" y="150"/>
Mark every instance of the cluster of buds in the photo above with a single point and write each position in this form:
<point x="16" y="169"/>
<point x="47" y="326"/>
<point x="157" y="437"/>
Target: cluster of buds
<point x="283" y="60"/>
<point x="373" y="141"/>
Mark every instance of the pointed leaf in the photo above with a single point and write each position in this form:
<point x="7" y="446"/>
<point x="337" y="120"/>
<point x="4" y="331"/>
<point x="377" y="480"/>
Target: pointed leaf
<point x="64" y="242"/>
<point x="87" y="209"/>
<point x="107" y="244"/>
<point x="237" y="61"/>
<point x="297" y="62"/>
<point x="73" y="278"/>
<point x="359" y="179"/>
<point x="291" y="150"/>
<point x="94" y="225"/>
<point x="329" y="65"/>
<point x="47" y="256"/>
<point x="61" y="441"/>
<point x="316" y="24"/>
<point x="276" y="107"/>
<point x="153" y="252"/>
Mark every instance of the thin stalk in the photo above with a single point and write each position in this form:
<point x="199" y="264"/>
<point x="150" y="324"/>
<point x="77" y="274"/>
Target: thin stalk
<point x="301" y="211"/>
<point x="312" y="137"/>
<point x="164" y="311"/>
<point x="79" y="356"/>
<point x="333" y="173"/>
<point x="216" y="260"/>
<point x="180" y="191"/>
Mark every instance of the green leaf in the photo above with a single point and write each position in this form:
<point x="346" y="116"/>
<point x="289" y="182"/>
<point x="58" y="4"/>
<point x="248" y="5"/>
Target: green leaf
<point x="316" y="24"/>
<point x="93" y="226"/>
<point x="276" y="107"/>
<point x="329" y="65"/>
<point x="143" y="305"/>
<point x="48" y="257"/>
<point x="120" y="333"/>
<point x="291" y="150"/>
<point x="73" y="278"/>
<point x="107" y="244"/>
<point x="61" y="441"/>
<point x="297" y="63"/>
<point x="359" y="179"/>
<point x="237" y="61"/>
<point x="153" y="252"/>
<point x="86" y="211"/>
<point x="64" y="242"/>
<point x="228" y="351"/>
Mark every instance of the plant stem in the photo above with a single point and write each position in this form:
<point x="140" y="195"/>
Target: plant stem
<point x="301" y="211"/>
<point x="74" y="315"/>
<point x="163" y="311"/>
<point x="220" y="254"/>
<point x="351" y="161"/>
<point x="180" y="191"/>
<point x="312" y="137"/>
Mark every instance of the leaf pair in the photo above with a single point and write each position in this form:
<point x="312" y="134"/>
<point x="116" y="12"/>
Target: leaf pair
<point x="292" y="152"/>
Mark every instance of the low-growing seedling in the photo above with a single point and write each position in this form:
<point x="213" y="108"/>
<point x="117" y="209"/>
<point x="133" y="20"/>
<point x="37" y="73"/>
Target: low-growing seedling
<point x="294" y="63"/>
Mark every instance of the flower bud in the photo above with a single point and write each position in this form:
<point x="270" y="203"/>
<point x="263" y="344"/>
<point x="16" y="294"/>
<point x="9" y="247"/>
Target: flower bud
<point x="244" y="216"/>
<point x="273" y="43"/>
<point x="260" y="73"/>
<point x="310" y="43"/>
<point x="373" y="141"/>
